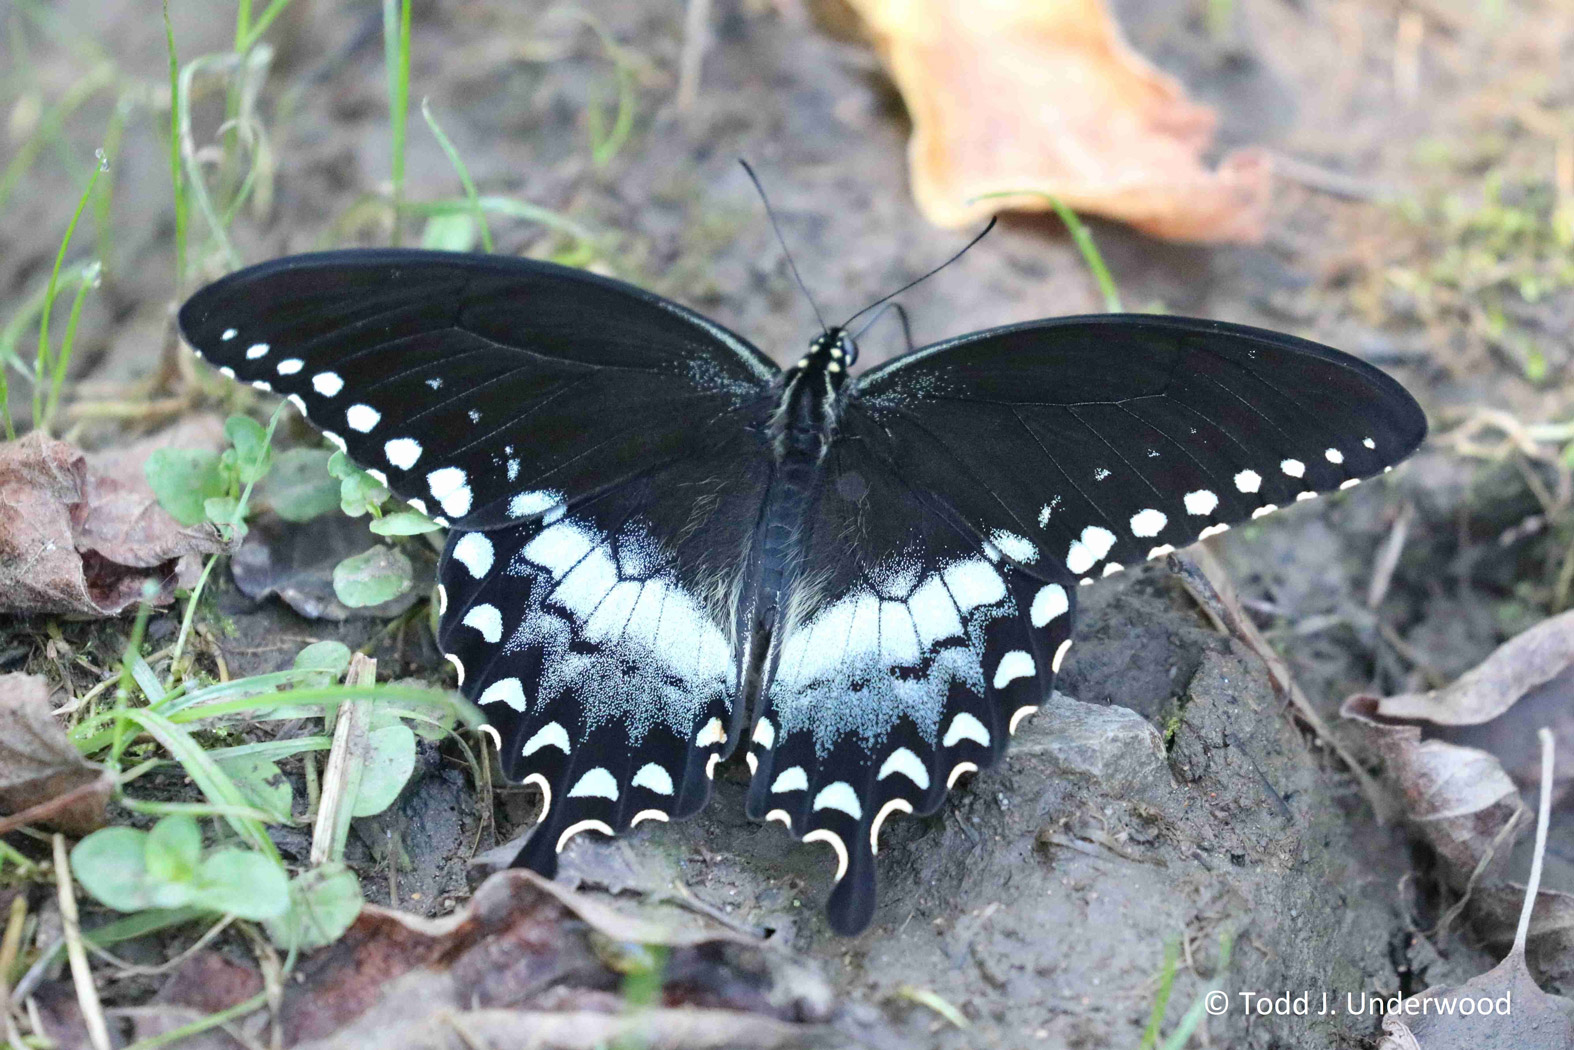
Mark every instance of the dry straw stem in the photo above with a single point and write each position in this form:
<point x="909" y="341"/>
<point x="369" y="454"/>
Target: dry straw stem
<point x="341" y="782"/>
<point x="81" y="972"/>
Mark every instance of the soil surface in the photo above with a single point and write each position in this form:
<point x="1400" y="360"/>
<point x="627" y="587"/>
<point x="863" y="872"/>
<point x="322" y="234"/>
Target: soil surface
<point x="1165" y="796"/>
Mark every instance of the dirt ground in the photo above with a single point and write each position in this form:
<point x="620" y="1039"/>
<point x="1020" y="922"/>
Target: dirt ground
<point x="1165" y="794"/>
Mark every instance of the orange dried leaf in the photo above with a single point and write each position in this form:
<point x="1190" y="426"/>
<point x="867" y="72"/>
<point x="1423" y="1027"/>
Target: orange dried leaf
<point x="1046" y="97"/>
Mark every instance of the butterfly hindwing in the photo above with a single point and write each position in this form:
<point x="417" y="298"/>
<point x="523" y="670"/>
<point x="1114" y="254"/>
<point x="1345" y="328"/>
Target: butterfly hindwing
<point x="908" y="658"/>
<point x="1087" y="444"/>
<point x="600" y="642"/>
<point x="484" y="389"/>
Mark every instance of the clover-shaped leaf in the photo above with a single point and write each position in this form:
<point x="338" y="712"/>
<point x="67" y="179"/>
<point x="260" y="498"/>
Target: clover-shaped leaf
<point x="131" y="870"/>
<point x="372" y="577"/>
<point x="183" y="480"/>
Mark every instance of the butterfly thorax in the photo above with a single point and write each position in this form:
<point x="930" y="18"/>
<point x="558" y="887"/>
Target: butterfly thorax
<point x="805" y="421"/>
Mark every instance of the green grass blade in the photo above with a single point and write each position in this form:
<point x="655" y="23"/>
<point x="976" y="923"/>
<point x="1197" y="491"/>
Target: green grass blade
<point x="245" y="41"/>
<point x="464" y="175"/>
<point x="176" y="171"/>
<point x="1161" y="1002"/>
<point x="42" y="368"/>
<point x="396" y="59"/>
<point x="211" y="780"/>
<point x="1194" y="1015"/>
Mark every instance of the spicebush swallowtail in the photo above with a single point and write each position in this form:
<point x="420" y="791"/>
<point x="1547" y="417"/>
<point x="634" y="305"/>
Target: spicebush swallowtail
<point x="662" y="547"/>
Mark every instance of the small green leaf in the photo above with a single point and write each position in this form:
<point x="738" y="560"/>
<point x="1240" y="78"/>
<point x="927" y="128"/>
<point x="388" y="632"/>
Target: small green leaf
<point x="182" y="479"/>
<point x="242" y="883"/>
<point x="372" y="577"/>
<point x="360" y="493"/>
<point x="250" y="440"/>
<point x="220" y="509"/>
<point x="299" y="488"/>
<point x="323" y="903"/>
<point x="262" y="783"/>
<point x="339" y="465"/>
<point x="404" y="523"/>
<point x="174" y="849"/>
<point x="331" y="657"/>
<point x="111" y="864"/>
<point x="437" y="710"/>
<point x="453" y="232"/>
<point x="388" y="768"/>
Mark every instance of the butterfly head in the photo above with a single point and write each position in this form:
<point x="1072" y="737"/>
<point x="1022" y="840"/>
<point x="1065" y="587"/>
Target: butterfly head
<point x="833" y="350"/>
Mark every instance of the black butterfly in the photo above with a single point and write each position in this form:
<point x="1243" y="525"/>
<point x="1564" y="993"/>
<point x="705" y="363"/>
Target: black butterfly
<point x="661" y="544"/>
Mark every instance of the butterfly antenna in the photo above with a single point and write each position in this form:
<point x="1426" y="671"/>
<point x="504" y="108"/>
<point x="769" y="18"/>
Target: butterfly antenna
<point x="771" y="214"/>
<point x="920" y="280"/>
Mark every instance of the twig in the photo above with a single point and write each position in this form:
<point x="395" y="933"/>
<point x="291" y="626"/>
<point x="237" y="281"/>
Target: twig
<point x="1388" y="558"/>
<point x="81" y="972"/>
<point x="1543" y="819"/>
<point x="9" y="947"/>
<point x="341" y="782"/>
<point x="696" y="38"/>
<point x="1210" y="585"/>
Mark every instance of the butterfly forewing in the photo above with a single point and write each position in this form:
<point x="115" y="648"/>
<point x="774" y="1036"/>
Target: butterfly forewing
<point x="485" y="390"/>
<point x="1086" y="444"/>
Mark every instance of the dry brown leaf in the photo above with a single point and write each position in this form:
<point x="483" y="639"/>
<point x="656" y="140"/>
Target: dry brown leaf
<point x="544" y="965"/>
<point x="1046" y="96"/>
<point x="1518" y="666"/>
<point x="43" y="778"/>
<point x="1457" y="798"/>
<point x="1504" y="1008"/>
<point x="77" y="540"/>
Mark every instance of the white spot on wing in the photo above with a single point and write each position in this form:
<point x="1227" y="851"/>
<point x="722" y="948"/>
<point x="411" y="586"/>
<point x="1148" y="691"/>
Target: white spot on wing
<point x="1351" y="483"/>
<point x="1369" y="443"/>
<point x="653" y="778"/>
<point x="965" y="727"/>
<point x="487" y="620"/>
<point x="1201" y="503"/>
<point x="550" y="735"/>
<point x="1090" y="549"/>
<point x="362" y="418"/>
<point x="827" y="835"/>
<point x="402" y="452"/>
<point x="1060" y="654"/>
<point x="839" y="796"/>
<point x="1019" y="714"/>
<point x="229" y="333"/>
<point x="1048" y="603"/>
<point x="1293" y="467"/>
<point x="1248" y="481"/>
<point x="512" y="693"/>
<point x="475" y="552"/>
<point x="256" y="350"/>
<point x="1264" y="510"/>
<point x="583" y="825"/>
<point x="765" y="734"/>
<point x="957" y="771"/>
<point x="1112" y="568"/>
<point x="1333" y="456"/>
<point x="1148" y="523"/>
<point x="793" y="779"/>
<point x="290" y="365"/>
<point x="906" y="763"/>
<point x="648" y="814"/>
<point x="328" y="384"/>
<point x="1017" y="548"/>
<point x="1015" y="664"/>
<point x="895" y="805"/>
<point x="713" y="732"/>
<point x="1212" y="530"/>
<point x="533" y="502"/>
<point x="596" y="783"/>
